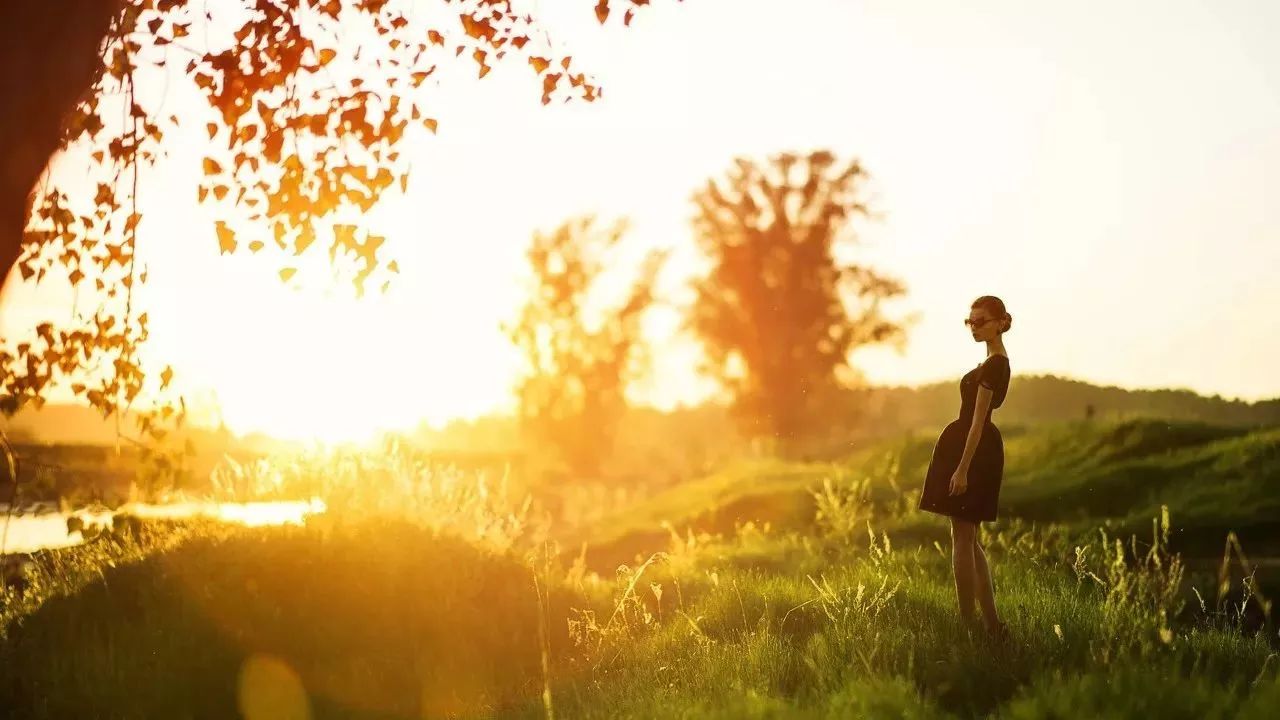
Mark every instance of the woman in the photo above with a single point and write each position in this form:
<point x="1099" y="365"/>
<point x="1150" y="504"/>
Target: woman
<point x="963" y="481"/>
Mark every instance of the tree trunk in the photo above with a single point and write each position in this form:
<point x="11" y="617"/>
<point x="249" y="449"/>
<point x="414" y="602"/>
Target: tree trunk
<point x="49" y="56"/>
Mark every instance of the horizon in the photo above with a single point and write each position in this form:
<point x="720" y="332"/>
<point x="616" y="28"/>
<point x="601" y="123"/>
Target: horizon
<point x="210" y="424"/>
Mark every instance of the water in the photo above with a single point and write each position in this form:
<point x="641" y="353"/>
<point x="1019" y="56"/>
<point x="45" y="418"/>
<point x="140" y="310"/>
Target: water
<point x="46" y="528"/>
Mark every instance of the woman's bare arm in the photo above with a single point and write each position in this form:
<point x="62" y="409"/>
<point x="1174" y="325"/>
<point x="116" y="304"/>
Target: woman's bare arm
<point x="980" y="405"/>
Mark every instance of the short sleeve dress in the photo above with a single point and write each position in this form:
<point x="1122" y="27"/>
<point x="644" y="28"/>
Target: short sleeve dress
<point x="978" y="502"/>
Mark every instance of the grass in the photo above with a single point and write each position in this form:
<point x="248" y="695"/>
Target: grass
<point x="774" y="590"/>
<point x="846" y="629"/>
<point x="1119" y="473"/>
<point x="373" y="620"/>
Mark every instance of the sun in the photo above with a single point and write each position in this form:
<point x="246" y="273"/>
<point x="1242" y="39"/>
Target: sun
<point x="318" y="363"/>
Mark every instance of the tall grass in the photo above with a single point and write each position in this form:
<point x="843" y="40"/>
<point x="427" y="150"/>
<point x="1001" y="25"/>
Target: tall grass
<point x="871" y="628"/>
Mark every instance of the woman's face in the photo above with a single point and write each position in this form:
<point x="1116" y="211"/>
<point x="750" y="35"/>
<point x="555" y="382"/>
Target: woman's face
<point x="983" y="324"/>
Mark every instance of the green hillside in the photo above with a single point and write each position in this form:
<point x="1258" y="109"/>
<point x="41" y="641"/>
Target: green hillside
<point x="1214" y="479"/>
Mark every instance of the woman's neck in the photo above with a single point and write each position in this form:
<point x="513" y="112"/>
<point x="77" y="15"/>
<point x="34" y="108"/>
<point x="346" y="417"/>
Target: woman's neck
<point x="996" y="347"/>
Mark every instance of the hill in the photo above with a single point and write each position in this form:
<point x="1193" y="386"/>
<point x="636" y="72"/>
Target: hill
<point x="1115" y="473"/>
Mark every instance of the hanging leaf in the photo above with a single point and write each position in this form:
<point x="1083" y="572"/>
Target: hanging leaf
<point x="226" y="238"/>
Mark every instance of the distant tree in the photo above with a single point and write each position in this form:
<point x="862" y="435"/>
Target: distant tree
<point x="779" y="312"/>
<point x="579" y="356"/>
<point x="307" y="102"/>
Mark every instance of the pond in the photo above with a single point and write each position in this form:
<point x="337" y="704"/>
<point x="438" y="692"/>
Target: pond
<point x="42" y="528"/>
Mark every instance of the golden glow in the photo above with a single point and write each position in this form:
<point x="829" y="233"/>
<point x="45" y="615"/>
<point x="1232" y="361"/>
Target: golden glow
<point x="40" y="531"/>
<point x="268" y="689"/>
<point x="1023" y="152"/>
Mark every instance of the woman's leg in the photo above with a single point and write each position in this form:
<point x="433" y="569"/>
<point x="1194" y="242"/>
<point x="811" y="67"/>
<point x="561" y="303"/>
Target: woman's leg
<point x="963" y="540"/>
<point x="984" y="589"/>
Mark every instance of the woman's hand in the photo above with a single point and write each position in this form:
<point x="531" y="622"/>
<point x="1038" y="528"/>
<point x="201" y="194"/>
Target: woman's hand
<point x="959" y="480"/>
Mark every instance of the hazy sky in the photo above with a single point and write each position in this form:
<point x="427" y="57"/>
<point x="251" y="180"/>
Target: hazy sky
<point x="1110" y="169"/>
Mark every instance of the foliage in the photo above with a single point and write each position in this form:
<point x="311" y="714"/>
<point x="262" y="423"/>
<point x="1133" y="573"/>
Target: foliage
<point x="572" y="394"/>
<point x="775" y="312"/>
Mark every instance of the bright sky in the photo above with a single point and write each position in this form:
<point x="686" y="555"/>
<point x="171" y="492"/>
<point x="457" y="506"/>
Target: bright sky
<point x="1103" y="167"/>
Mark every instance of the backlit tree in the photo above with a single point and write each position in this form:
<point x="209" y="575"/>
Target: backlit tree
<point x="778" y="312"/>
<point x="579" y="354"/>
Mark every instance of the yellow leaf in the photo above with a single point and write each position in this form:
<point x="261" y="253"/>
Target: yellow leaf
<point x="417" y="78"/>
<point x="539" y="64"/>
<point x="287" y="273"/>
<point x="326" y="56"/>
<point x="226" y="238"/>
<point x="255" y="246"/>
<point x="211" y="166"/>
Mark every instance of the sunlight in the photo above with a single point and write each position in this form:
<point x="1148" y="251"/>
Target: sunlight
<point x="33" y="531"/>
<point x="316" y="363"/>
<point x="1024" y="136"/>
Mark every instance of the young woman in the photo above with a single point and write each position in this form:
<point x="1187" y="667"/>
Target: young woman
<point x="963" y="481"/>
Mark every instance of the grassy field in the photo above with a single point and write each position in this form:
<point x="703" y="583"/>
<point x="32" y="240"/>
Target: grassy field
<point x="1214" y="479"/>
<point x="769" y="589"/>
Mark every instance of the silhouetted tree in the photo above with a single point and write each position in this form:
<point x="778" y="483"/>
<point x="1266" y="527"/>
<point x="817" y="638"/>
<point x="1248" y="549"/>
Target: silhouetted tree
<point x="778" y="312"/>
<point x="577" y="369"/>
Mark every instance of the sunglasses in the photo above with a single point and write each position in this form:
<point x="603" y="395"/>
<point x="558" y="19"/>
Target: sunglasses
<point x="975" y="324"/>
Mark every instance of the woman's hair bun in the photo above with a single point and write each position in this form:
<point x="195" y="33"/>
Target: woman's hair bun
<point x="995" y="306"/>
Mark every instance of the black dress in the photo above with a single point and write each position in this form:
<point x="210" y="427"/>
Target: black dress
<point x="978" y="502"/>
